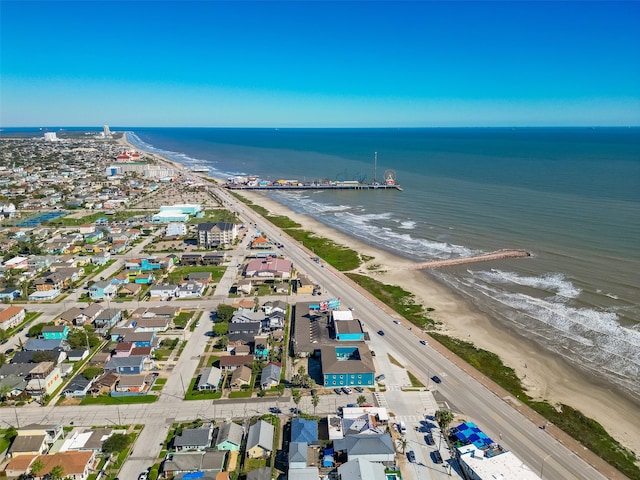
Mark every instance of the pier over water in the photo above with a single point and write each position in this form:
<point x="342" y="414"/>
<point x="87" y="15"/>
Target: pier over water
<point x="343" y="186"/>
<point x="497" y="255"/>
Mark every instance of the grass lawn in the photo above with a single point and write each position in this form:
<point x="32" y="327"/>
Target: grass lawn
<point x="246" y="394"/>
<point x="397" y="298"/>
<point x="586" y="430"/>
<point x="106" y="400"/>
<point x="414" y="381"/>
<point x="254" y="464"/>
<point x="394" y="361"/>
<point x="119" y="216"/>
<point x="180" y="273"/>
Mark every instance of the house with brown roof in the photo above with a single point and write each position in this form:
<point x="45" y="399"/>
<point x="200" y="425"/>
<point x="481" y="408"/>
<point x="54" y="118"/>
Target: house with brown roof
<point x="131" y="383"/>
<point x="269" y="268"/>
<point x="18" y="465"/>
<point x="104" y="384"/>
<point x="75" y="464"/>
<point x="240" y="376"/>
<point x="229" y="363"/>
<point x="11" y="316"/>
<point x="130" y="290"/>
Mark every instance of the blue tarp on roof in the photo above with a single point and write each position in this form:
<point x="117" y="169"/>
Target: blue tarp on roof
<point x="192" y="475"/>
<point x="468" y="432"/>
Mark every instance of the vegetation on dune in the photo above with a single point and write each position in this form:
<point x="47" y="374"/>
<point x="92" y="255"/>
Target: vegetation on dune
<point x="338" y="256"/>
<point x="586" y="430"/>
<point x="396" y="298"/>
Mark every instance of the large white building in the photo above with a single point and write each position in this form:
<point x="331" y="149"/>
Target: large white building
<point x="189" y="209"/>
<point x="170" y="216"/>
<point x="479" y="465"/>
<point x="158" y="172"/>
<point x="176" y="229"/>
<point x="50" y="137"/>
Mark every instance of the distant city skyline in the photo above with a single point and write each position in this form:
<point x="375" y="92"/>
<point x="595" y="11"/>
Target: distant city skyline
<point x="319" y="64"/>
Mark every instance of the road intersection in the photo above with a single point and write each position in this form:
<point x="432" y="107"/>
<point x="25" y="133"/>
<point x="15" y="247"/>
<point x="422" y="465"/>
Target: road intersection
<point x="499" y="415"/>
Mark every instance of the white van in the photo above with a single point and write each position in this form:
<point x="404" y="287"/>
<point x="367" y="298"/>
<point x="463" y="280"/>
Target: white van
<point x="403" y="428"/>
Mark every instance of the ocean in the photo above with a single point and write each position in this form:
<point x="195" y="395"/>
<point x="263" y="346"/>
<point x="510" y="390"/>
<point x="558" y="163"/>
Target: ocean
<point x="570" y="196"/>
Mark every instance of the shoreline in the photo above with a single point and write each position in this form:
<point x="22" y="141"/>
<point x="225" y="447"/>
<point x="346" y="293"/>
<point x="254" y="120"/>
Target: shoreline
<point x="544" y="375"/>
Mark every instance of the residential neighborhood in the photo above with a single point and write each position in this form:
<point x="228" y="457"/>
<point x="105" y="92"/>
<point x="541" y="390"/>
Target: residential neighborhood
<point x="120" y="290"/>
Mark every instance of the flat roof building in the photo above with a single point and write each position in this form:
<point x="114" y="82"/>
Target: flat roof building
<point x="348" y="365"/>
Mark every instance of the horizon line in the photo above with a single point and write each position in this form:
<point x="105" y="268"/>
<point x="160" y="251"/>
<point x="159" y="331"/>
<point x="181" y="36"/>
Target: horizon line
<point x="319" y="128"/>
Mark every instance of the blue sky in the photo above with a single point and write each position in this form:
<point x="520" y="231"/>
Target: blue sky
<point x="319" y="64"/>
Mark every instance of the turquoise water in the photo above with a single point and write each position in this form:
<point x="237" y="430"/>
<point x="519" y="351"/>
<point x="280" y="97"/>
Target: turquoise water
<point x="569" y="196"/>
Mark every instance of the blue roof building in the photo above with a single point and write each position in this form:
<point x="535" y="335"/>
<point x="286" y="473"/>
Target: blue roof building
<point x="304" y="431"/>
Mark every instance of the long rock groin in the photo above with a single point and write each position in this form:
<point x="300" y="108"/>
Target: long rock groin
<point x="497" y="255"/>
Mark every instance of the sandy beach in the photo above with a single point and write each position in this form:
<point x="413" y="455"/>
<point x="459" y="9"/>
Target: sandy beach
<point x="545" y="377"/>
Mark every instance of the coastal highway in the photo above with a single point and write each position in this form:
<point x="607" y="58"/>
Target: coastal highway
<point x="494" y="414"/>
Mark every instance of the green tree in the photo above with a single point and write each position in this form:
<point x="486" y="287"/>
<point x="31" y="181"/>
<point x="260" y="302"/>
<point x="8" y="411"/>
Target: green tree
<point x="315" y="401"/>
<point x="44" y="357"/>
<point x="79" y="337"/>
<point x="444" y="418"/>
<point x="36" y="330"/>
<point x="403" y="444"/>
<point x="91" y="372"/>
<point x="361" y="400"/>
<point x="297" y="396"/>
<point x="5" y="390"/>
<point x="37" y="467"/>
<point x="57" y="472"/>
<point x="116" y="443"/>
<point x="3" y="359"/>
<point x="225" y="312"/>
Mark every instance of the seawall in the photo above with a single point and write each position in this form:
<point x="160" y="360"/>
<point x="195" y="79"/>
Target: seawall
<point x="497" y="255"/>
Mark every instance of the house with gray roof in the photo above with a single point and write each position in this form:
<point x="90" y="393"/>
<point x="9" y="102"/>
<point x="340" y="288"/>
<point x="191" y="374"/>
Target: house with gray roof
<point x="131" y="365"/>
<point x="371" y="447"/>
<point x="209" y="379"/>
<point x="263" y="473"/>
<point x="297" y="455"/>
<point x="270" y="376"/>
<point x="194" y="439"/>
<point x="77" y="387"/>
<point x="44" y="345"/>
<point x="206" y="461"/>
<point x="360" y="469"/>
<point x="229" y="437"/>
<point x="260" y="440"/>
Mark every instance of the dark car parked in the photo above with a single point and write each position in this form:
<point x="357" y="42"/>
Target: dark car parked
<point x="429" y="439"/>
<point x="436" y="457"/>
<point x="381" y="332"/>
<point x="411" y="456"/>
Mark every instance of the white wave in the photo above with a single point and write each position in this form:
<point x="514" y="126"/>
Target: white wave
<point x="408" y="225"/>
<point x="591" y="338"/>
<point x="551" y="282"/>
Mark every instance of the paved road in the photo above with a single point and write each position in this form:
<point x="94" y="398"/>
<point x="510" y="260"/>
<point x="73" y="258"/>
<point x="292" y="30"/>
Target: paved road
<point x="493" y="413"/>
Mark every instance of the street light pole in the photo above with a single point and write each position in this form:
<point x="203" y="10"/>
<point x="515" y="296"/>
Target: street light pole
<point x="542" y="466"/>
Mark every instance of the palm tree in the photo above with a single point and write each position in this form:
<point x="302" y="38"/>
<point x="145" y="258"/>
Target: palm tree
<point x="315" y="400"/>
<point x="403" y="444"/>
<point x="361" y="400"/>
<point x="57" y="473"/>
<point x="37" y="467"/>
<point x="297" y="396"/>
<point x="444" y="418"/>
